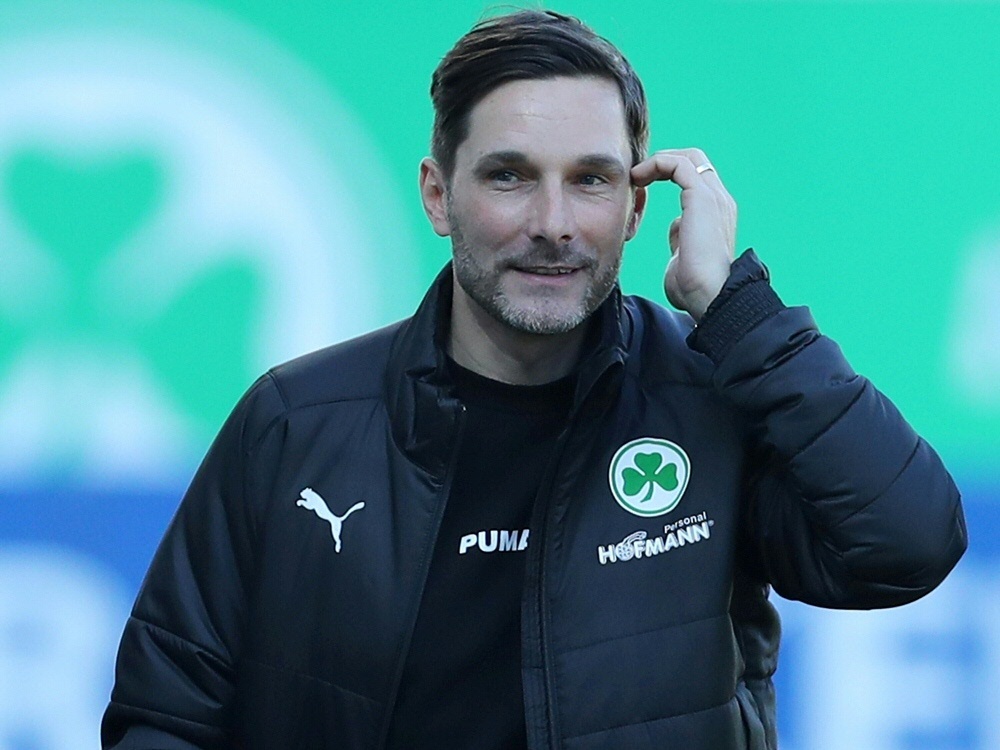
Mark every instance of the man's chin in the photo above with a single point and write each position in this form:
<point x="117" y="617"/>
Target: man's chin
<point x="541" y="321"/>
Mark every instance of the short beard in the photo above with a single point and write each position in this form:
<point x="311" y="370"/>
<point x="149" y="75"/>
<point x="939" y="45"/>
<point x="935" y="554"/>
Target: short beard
<point x="482" y="285"/>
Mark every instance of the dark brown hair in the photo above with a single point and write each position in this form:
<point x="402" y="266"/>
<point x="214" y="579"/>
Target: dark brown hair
<point x="528" y="44"/>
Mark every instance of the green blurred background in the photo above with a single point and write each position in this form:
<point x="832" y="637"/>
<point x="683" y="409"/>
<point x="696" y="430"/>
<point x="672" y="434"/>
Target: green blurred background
<point x="859" y="140"/>
<point x="191" y="192"/>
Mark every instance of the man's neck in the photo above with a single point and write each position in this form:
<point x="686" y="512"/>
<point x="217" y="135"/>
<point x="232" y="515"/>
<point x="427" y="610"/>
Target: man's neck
<point x="480" y="343"/>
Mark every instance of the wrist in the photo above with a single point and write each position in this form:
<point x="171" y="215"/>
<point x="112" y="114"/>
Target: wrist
<point x="745" y="301"/>
<point x="696" y="305"/>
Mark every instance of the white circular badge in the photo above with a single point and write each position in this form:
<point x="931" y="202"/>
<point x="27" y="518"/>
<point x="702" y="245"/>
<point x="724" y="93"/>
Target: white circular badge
<point x="648" y="476"/>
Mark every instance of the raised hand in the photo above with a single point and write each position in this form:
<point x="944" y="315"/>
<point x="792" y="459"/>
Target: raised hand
<point x="703" y="238"/>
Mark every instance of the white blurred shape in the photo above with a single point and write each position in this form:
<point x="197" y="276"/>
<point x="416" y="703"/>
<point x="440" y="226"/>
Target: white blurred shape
<point x="60" y="619"/>
<point x="118" y="427"/>
<point x="975" y="355"/>
<point x="261" y="163"/>
<point x="988" y="602"/>
<point x="886" y="679"/>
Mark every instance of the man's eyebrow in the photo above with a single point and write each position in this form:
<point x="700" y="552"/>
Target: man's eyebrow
<point x="497" y="159"/>
<point x="605" y="163"/>
<point x="610" y="165"/>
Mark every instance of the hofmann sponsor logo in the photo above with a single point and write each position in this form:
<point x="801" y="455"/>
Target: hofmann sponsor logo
<point x="637" y="545"/>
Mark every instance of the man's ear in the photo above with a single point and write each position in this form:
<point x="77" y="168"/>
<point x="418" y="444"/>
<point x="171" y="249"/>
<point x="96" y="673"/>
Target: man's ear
<point x="638" y="211"/>
<point x="434" y="194"/>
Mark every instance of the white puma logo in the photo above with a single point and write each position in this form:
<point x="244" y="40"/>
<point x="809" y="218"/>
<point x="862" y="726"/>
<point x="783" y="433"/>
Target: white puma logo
<point x="312" y="501"/>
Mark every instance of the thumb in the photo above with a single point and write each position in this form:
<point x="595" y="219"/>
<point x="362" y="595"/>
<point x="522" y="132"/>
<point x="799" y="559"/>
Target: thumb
<point x="675" y="229"/>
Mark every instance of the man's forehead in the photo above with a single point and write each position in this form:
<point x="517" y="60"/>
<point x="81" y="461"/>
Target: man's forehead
<point x="565" y="118"/>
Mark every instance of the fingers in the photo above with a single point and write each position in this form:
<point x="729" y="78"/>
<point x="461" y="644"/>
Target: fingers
<point x="680" y="166"/>
<point x="676" y="165"/>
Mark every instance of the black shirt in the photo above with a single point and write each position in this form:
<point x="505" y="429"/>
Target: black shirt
<point x="461" y="683"/>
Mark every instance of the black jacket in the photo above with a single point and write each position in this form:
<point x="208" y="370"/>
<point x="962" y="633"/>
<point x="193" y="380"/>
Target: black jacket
<point x="252" y="629"/>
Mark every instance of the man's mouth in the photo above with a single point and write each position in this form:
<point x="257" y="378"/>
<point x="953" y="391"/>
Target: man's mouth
<point x="546" y="270"/>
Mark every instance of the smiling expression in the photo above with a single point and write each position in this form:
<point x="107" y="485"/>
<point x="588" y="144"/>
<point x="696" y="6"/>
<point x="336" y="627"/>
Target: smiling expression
<point x="540" y="203"/>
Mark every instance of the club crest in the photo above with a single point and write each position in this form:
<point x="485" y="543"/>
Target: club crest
<point x="648" y="476"/>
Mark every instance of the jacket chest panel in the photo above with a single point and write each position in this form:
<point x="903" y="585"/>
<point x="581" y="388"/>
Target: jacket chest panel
<point x="654" y="540"/>
<point x="336" y="576"/>
<point x="639" y="604"/>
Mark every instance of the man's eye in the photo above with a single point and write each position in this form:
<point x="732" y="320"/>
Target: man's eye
<point x="503" y="175"/>
<point x="592" y="179"/>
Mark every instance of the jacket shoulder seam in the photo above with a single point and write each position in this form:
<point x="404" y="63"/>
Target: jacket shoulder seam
<point x="279" y="389"/>
<point x="289" y="406"/>
<point x="289" y="409"/>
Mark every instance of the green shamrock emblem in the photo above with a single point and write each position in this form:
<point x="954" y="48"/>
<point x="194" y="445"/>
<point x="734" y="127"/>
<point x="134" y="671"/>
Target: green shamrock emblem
<point x="648" y="474"/>
<point x="81" y="212"/>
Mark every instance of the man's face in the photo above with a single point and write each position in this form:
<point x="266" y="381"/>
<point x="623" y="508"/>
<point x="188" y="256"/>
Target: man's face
<point x="540" y="202"/>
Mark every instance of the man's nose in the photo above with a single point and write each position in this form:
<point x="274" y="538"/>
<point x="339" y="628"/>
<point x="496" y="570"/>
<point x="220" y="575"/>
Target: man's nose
<point x="551" y="216"/>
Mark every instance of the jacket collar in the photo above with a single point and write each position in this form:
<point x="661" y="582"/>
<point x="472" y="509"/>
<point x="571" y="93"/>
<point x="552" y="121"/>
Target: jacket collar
<point x="423" y="410"/>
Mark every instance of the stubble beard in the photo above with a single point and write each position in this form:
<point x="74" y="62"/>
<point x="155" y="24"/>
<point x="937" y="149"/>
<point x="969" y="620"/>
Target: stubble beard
<point x="543" y="317"/>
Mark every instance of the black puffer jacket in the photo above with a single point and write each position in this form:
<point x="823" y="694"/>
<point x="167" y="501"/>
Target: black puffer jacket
<point x="260" y="625"/>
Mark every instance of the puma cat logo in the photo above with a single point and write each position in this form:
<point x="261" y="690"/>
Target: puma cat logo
<point x="311" y="500"/>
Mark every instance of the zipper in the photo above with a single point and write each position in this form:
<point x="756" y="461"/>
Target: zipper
<point x="550" y="718"/>
<point x="544" y="498"/>
<point x="424" y="573"/>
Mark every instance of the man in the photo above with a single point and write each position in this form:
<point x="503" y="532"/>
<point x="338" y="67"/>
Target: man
<point x="536" y="514"/>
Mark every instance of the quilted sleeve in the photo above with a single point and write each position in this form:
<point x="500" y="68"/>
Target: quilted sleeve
<point x="174" y="674"/>
<point x="847" y="506"/>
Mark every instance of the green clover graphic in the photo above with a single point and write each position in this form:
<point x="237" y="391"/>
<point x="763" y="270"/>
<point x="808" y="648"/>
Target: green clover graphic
<point x="82" y="211"/>
<point x="648" y="475"/>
